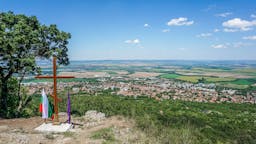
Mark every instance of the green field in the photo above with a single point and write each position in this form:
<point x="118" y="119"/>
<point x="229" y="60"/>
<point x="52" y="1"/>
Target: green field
<point x="238" y="83"/>
<point x="244" y="81"/>
<point x="210" y="69"/>
<point x="170" y="76"/>
<point x="219" y="79"/>
<point x="194" y="79"/>
<point x="246" y="71"/>
<point x="112" y="72"/>
<point x="226" y="82"/>
<point x="233" y="86"/>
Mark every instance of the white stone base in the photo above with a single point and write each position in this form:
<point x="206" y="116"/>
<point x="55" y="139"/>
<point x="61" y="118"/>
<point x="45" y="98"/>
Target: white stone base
<point x="49" y="127"/>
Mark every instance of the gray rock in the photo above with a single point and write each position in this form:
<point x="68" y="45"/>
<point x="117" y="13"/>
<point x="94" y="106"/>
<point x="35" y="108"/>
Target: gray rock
<point x="93" y="115"/>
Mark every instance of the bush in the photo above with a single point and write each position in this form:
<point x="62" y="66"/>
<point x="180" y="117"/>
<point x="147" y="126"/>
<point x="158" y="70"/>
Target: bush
<point x="12" y="99"/>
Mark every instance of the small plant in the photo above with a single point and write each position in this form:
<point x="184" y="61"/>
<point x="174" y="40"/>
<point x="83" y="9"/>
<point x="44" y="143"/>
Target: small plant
<point x="49" y="136"/>
<point x="68" y="134"/>
<point x="105" y="133"/>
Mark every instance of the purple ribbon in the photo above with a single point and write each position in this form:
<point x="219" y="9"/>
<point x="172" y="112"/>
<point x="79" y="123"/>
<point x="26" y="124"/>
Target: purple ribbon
<point x="69" y="109"/>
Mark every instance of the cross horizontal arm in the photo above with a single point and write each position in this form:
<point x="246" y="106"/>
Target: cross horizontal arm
<point x="65" y="77"/>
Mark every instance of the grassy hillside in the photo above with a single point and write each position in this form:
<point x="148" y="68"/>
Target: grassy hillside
<point x="173" y="121"/>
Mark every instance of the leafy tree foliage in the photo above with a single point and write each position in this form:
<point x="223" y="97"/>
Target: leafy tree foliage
<point x="202" y="80"/>
<point x="23" y="39"/>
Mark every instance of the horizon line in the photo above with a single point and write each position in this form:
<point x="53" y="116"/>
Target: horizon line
<point x="162" y="59"/>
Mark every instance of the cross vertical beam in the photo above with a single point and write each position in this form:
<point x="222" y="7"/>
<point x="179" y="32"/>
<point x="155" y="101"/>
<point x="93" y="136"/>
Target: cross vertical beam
<point x="55" y="97"/>
<point x="56" y="116"/>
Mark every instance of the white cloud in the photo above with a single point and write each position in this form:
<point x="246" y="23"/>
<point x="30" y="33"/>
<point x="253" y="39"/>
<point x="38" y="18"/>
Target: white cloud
<point x="250" y="37"/>
<point x="231" y="45"/>
<point x="165" y="30"/>
<point x="240" y="44"/>
<point x="180" y="22"/>
<point x="238" y="24"/>
<point x="135" y="41"/>
<point x="224" y="14"/>
<point x="253" y="16"/>
<point x="204" y="35"/>
<point x="230" y="30"/>
<point x="216" y="30"/>
<point x="220" y="46"/>
<point x="146" y="25"/>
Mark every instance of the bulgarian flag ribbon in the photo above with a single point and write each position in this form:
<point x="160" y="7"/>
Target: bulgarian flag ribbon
<point x="46" y="108"/>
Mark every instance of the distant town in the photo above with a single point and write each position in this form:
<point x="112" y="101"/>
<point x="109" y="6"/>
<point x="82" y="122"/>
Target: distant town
<point x="141" y="79"/>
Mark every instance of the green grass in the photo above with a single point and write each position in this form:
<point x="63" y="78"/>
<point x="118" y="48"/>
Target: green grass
<point x="179" y="121"/>
<point x="197" y="122"/>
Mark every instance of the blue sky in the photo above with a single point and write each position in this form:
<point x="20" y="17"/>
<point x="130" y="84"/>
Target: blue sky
<point x="150" y="29"/>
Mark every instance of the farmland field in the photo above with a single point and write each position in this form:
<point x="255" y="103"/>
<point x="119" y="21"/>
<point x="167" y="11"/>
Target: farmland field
<point x="233" y="86"/>
<point x="225" y="74"/>
<point x="194" y="79"/>
<point x="170" y="76"/>
<point x="244" y="81"/>
<point x="219" y="79"/>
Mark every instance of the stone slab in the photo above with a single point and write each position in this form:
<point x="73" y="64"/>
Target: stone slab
<point x="49" y="127"/>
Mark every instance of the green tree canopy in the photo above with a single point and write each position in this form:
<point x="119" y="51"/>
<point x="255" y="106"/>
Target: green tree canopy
<point x="23" y="39"/>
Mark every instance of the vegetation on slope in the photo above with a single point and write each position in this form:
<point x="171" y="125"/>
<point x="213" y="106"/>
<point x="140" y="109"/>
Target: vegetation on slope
<point x="173" y="121"/>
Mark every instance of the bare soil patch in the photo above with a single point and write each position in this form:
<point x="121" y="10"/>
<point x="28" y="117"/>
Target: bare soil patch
<point x="144" y="74"/>
<point x="21" y="130"/>
<point x="216" y="74"/>
<point x="85" y="74"/>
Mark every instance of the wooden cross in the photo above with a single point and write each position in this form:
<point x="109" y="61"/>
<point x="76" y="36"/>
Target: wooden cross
<point x="55" y="97"/>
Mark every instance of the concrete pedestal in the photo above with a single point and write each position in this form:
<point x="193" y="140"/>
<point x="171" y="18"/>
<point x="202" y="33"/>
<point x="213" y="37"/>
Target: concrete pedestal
<point x="49" y="127"/>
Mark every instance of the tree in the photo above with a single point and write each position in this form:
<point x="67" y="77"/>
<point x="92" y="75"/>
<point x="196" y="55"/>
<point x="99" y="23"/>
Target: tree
<point x="23" y="40"/>
<point x="202" y="80"/>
